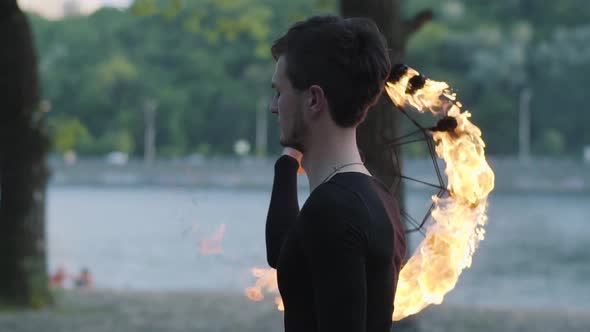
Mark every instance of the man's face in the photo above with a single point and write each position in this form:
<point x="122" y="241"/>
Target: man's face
<point x="288" y="104"/>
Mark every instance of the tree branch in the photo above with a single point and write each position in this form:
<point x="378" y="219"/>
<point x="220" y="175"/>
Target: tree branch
<point x="414" y="24"/>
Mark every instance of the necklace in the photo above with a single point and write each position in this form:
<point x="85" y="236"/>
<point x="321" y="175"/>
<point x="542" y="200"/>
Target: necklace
<point x="336" y="169"/>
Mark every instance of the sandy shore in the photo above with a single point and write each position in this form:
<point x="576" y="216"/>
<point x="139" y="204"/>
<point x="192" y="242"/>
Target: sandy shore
<point x="110" y="311"/>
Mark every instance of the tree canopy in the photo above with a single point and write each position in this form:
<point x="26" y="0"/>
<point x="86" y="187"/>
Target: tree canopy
<point x="207" y="65"/>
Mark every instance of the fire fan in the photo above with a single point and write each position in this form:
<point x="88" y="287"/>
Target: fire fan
<point x="454" y="223"/>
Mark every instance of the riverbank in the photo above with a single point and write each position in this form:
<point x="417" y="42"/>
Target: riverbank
<point x="540" y="175"/>
<point x="125" y="311"/>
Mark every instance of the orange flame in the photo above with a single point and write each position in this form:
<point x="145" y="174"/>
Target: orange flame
<point x="300" y="170"/>
<point x="212" y="246"/>
<point x="456" y="222"/>
<point x="267" y="281"/>
<point x="434" y="97"/>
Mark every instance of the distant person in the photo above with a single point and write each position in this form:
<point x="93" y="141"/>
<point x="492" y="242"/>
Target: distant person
<point x="338" y="258"/>
<point x="58" y="278"/>
<point x="84" y="280"/>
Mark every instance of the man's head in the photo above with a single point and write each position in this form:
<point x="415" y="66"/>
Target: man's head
<point x="328" y="69"/>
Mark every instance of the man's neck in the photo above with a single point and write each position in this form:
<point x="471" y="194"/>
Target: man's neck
<point x="330" y="152"/>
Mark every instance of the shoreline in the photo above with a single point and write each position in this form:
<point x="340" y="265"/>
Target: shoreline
<point x="551" y="176"/>
<point x="106" y="310"/>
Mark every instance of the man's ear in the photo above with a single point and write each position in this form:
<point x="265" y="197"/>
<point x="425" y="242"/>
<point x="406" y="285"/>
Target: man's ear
<point x="317" y="101"/>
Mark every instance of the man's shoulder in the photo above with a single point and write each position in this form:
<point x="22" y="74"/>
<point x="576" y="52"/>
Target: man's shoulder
<point x="331" y="212"/>
<point x="332" y="200"/>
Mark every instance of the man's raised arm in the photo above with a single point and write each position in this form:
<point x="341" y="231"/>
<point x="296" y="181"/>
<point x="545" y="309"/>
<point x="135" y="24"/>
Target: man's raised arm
<point x="284" y="205"/>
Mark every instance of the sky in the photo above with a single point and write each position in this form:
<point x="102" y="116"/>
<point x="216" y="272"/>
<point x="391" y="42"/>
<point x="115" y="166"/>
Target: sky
<point x="54" y="8"/>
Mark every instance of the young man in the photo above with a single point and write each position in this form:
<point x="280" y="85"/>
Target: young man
<point x="339" y="257"/>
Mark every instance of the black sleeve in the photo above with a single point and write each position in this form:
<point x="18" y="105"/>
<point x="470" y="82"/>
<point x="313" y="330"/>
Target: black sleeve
<point x="284" y="206"/>
<point x="335" y="249"/>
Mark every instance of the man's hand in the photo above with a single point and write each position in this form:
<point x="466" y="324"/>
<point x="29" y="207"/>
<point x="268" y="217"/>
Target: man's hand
<point x="295" y="154"/>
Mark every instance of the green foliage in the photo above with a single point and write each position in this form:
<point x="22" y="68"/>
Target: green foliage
<point x="39" y="296"/>
<point x="541" y="45"/>
<point x="115" y="70"/>
<point x="553" y="142"/>
<point x="144" y="7"/>
<point x="203" y="149"/>
<point x="122" y="141"/>
<point x="68" y="133"/>
<point x="207" y="64"/>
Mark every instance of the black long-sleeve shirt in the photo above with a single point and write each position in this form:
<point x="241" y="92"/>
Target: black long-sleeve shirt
<point x="337" y="259"/>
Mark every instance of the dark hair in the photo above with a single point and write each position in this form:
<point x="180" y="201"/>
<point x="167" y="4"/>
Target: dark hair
<point x="347" y="58"/>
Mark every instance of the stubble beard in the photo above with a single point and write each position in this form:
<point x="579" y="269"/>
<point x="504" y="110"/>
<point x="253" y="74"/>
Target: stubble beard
<point x="296" y="138"/>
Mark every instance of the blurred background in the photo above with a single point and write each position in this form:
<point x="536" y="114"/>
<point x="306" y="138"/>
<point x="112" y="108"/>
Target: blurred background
<point x="138" y="151"/>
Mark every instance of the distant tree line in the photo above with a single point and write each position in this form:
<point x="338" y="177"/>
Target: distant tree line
<point x="207" y="67"/>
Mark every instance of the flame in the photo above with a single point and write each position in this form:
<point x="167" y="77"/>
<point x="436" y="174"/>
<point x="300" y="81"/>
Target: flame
<point x="212" y="246"/>
<point x="457" y="222"/>
<point x="300" y="170"/>
<point x="267" y="281"/>
<point x="434" y="97"/>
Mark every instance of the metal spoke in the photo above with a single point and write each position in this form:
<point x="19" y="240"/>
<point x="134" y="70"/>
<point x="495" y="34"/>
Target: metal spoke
<point x="437" y="186"/>
<point x="421" y="134"/>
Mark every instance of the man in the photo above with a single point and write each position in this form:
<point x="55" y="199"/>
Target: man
<point x="338" y="258"/>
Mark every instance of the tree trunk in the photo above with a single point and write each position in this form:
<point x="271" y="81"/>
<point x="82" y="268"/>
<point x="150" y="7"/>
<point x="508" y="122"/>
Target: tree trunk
<point x="23" y="171"/>
<point x="382" y="124"/>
